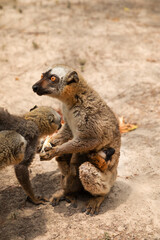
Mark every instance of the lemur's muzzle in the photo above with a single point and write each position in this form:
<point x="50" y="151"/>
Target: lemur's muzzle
<point x="35" y="88"/>
<point x="39" y="90"/>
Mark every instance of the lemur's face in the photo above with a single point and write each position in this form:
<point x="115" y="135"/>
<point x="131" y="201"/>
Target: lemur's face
<point x="53" y="81"/>
<point x="46" y="118"/>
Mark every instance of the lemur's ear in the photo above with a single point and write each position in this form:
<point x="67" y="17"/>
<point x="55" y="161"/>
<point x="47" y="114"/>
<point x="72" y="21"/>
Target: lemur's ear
<point x="33" y="108"/>
<point x="73" y="78"/>
<point x="51" y="118"/>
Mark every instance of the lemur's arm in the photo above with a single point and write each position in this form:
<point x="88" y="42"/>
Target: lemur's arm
<point x="22" y="173"/>
<point x="75" y="145"/>
<point x="62" y="136"/>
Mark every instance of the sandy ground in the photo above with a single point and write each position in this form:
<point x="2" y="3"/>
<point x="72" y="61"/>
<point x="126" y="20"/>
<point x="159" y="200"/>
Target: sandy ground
<point x="116" y="43"/>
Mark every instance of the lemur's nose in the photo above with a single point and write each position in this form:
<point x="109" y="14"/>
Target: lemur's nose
<point x="35" y="88"/>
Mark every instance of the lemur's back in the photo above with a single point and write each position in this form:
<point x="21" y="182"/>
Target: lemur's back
<point x="19" y="124"/>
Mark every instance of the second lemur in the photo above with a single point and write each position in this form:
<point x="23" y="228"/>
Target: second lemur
<point x="39" y="122"/>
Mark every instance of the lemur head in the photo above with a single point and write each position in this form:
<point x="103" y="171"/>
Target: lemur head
<point x="57" y="82"/>
<point x="46" y="118"/>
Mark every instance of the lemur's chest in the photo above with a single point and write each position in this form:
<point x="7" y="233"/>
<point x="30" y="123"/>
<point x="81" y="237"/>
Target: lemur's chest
<point x="71" y="120"/>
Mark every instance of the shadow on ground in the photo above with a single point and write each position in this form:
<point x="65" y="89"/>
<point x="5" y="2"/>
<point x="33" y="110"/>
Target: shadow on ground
<point x="20" y="226"/>
<point x="118" y="195"/>
<point x="20" y="219"/>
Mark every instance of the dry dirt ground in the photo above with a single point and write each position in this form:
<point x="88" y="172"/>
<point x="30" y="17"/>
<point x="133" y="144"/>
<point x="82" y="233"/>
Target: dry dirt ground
<point x="116" y="43"/>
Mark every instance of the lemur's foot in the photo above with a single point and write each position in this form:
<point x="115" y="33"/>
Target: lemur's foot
<point x="93" y="205"/>
<point x="57" y="197"/>
<point x="72" y="200"/>
<point x="37" y="201"/>
<point x="60" y="196"/>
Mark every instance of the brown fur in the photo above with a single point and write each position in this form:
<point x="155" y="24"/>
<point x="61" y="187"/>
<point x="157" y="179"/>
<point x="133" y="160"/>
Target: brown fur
<point x="12" y="148"/>
<point x="33" y="125"/>
<point x="90" y="125"/>
<point x="98" y="161"/>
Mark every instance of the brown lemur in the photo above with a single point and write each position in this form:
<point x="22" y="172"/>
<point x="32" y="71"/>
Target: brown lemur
<point x="39" y="122"/>
<point x="12" y="148"/>
<point x="90" y="125"/>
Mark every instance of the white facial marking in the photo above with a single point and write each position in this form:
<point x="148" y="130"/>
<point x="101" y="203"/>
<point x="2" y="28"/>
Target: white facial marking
<point x="59" y="71"/>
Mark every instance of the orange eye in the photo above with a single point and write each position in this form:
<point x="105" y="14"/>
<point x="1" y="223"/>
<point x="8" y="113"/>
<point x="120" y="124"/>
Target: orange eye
<point x="53" y="78"/>
<point x="41" y="76"/>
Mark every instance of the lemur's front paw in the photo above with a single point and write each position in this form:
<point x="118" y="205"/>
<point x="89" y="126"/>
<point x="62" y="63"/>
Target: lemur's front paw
<point x="55" y="142"/>
<point x="46" y="149"/>
<point x="46" y="156"/>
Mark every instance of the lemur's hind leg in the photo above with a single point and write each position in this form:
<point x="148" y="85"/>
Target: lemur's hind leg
<point x="74" y="164"/>
<point x="97" y="183"/>
<point x="64" y="163"/>
<point x="93" y="205"/>
<point x="70" y="183"/>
